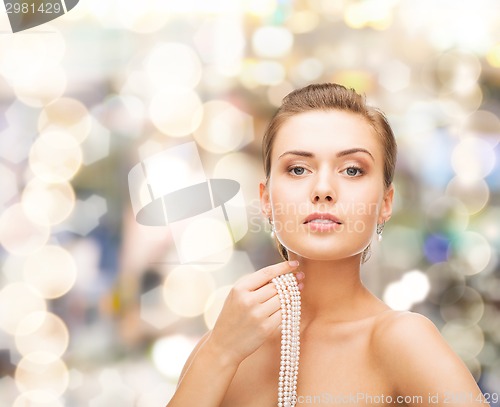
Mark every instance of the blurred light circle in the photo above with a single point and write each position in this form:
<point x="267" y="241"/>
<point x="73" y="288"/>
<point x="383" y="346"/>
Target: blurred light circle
<point x="52" y="270"/>
<point x="41" y="376"/>
<point x="66" y="114"/>
<point x="411" y="289"/>
<point x="260" y="8"/>
<point x="310" y="69"/>
<point x="48" y="204"/>
<point x="473" y="250"/>
<point x="224" y="128"/>
<point x="493" y="56"/>
<point x="466" y="341"/>
<point x="43" y="399"/>
<point x="458" y="71"/>
<point x="483" y="123"/>
<point x="268" y="73"/>
<point x="302" y="21"/>
<point x="17" y="301"/>
<point x="123" y="114"/>
<point x="187" y="289"/>
<point x="395" y="76"/>
<point x="9" y="184"/>
<point x="140" y="17"/>
<point x="272" y="41"/>
<point x="446" y="215"/>
<point x="51" y="335"/>
<point x="173" y="64"/>
<point x="214" y="305"/>
<point x="19" y="234"/>
<point x="403" y="246"/>
<point x="176" y="111"/>
<point x="473" y="158"/>
<point x="474" y="194"/>
<point x="444" y="278"/>
<point x="467" y="310"/>
<point x="241" y="167"/>
<point x="461" y="105"/>
<point x="42" y="87"/>
<point x="195" y="239"/>
<point x="55" y="156"/>
<point x="22" y="56"/>
<point x="436" y="248"/>
<point x="276" y="93"/>
<point x="170" y="354"/>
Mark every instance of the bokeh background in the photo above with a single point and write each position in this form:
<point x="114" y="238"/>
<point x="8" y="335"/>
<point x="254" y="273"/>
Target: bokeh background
<point x="96" y="309"/>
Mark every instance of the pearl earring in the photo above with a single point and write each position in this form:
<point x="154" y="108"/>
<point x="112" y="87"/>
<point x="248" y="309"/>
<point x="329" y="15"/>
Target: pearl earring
<point x="272" y="228"/>
<point x="380" y="229"/>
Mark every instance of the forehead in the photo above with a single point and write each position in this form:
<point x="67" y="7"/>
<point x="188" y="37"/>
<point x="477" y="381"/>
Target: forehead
<point x="326" y="132"/>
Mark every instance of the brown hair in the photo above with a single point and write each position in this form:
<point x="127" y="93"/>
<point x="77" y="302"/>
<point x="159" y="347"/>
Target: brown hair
<point x="330" y="96"/>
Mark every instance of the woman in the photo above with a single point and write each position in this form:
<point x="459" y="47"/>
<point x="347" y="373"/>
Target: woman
<point x="329" y="161"/>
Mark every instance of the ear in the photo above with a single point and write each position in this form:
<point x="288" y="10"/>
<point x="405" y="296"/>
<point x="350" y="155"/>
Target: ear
<point x="265" y="202"/>
<point x="386" y="210"/>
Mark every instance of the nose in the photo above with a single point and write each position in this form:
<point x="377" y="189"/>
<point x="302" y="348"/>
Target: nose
<point x="323" y="189"/>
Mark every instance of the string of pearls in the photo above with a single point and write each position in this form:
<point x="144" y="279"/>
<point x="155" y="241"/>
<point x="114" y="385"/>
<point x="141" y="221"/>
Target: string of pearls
<point x="289" y="295"/>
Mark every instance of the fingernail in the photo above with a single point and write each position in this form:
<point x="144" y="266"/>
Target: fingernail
<point x="293" y="263"/>
<point x="301" y="286"/>
<point x="300" y="275"/>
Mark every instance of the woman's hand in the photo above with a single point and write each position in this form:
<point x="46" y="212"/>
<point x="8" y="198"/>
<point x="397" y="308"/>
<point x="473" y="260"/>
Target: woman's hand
<point x="251" y="313"/>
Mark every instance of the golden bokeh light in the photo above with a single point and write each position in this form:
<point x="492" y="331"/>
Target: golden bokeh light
<point x="17" y="301"/>
<point x="474" y="250"/>
<point x="272" y="41"/>
<point x="137" y="16"/>
<point x="243" y="168"/>
<point x="48" y="204"/>
<point x="467" y="310"/>
<point x="19" y="234"/>
<point x="173" y="64"/>
<point x="493" y="56"/>
<point x="52" y="270"/>
<point x="466" y="341"/>
<point x="66" y="114"/>
<point x="55" y="156"/>
<point x="42" y="332"/>
<point x="170" y="354"/>
<point x="176" y="111"/>
<point x="41" y="377"/>
<point x="205" y="237"/>
<point x="474" y="194"/>
<point x="224" y="128"/>
<point x="42" y="87"/>
<point x="187" y="289"/>
<point x="214" y="305"/>
<point x="22" y="56"/>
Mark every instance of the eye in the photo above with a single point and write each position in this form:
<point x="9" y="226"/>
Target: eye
<point x="354" y="171"/>
<point x="297" y="170"/>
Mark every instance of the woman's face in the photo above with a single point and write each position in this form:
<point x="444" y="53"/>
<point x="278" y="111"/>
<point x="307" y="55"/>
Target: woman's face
<point x="326" y="193"/>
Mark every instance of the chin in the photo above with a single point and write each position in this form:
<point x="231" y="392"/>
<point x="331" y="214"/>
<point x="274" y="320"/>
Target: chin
<point x="322" y="249"/>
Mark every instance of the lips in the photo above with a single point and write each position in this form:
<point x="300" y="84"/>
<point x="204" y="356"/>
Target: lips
<point x="325" y="218"/>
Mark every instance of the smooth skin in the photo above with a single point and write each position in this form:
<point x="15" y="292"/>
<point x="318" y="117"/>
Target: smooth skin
<point x="354" y="349"/>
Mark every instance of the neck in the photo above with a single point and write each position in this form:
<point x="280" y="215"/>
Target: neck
<point x="333" y="291"/>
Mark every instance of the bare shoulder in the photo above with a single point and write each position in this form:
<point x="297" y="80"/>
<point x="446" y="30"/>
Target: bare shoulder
<point x="414" y="356"/>
<point x="193" y="354"/>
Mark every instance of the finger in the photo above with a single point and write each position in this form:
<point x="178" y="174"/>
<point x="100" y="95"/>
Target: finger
<point x="269" y="307"/>
<point x="264" y="293"/>
<point x="274" y="320"/>
<point x="266" y="274"/>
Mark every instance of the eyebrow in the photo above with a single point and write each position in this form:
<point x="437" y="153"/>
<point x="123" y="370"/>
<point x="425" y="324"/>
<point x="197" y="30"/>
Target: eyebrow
<point x="338" y="155"/>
